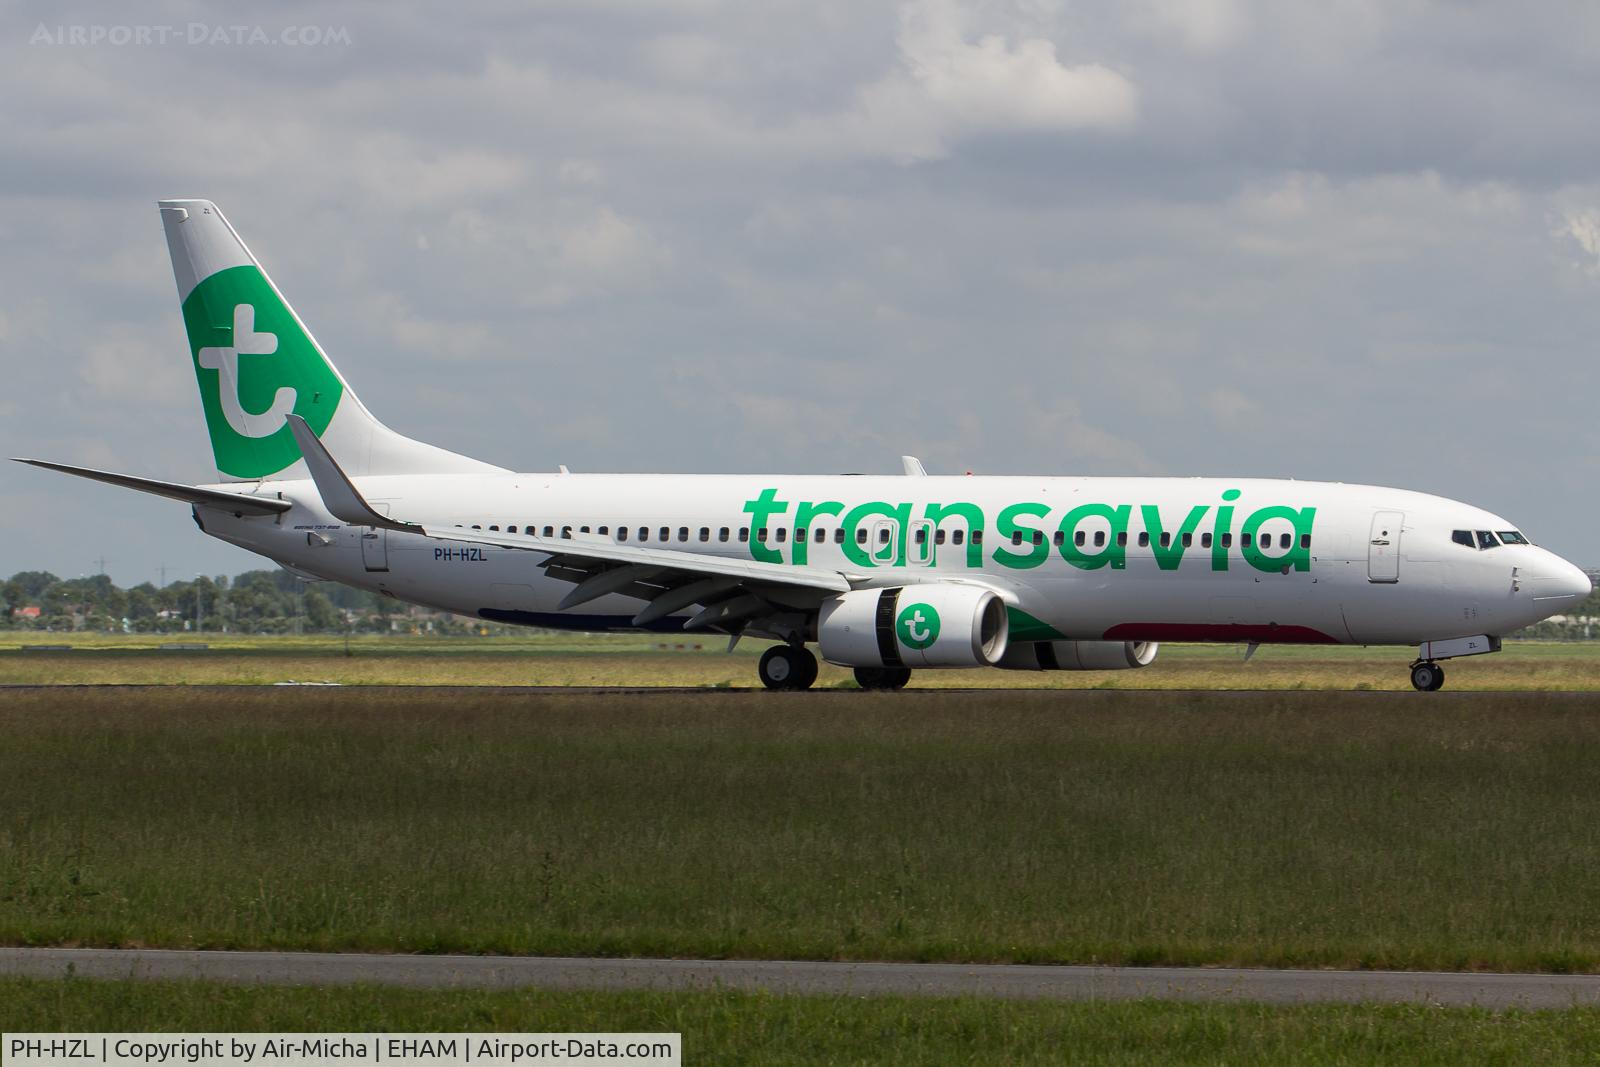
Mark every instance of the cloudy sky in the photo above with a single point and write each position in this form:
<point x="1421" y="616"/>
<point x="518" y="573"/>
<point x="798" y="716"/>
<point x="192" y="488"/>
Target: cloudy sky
<point x="1356" y="241"/>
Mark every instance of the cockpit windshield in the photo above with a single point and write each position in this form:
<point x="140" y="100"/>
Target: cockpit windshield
<point x="1486" y="539"/>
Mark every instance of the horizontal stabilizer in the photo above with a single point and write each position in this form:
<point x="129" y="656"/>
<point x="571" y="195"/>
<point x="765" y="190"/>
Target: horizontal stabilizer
<point x="238" y="503"/>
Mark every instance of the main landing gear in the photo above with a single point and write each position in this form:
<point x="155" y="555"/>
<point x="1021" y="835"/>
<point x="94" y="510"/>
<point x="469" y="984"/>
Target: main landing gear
<point x="1427" y="677"/>
<point x="788" y="667"/>
<point x="882" y="677"/>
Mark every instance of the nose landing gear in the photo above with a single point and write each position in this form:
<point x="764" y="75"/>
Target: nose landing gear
<point x="1427" y="677"/>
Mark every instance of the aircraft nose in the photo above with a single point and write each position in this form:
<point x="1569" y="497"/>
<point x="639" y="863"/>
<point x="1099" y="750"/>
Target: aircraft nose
<point x="1556" y="578"/>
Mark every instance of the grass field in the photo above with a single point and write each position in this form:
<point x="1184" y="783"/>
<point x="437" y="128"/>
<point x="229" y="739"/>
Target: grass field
<point x="641" y="660"/>
<point x="734" y="1028"/>
<point x="1320" y="829"/>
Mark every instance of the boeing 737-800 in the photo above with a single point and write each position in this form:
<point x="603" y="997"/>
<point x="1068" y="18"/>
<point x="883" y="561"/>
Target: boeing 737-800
<point x="883" y="574"/>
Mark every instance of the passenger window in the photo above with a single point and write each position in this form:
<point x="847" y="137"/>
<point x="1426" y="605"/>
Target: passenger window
<point x="1305" y="540"/>
<point x="957" y="536"/>
<point x="1244" y="540"/>
<point x="1205" y="540"/>
<point x="883" y="536"/>
<point x="744" y="534"/>
<point x="1188" y="540"/>
<point x="549" y="531"/>
<point x="1166" y="539"/>
<point x="821" y="535"/>
<point x="622" y="533"/>
<point x="665" y="533"/>
<point x="761" y="535"/>
<point x="1122" y="538"/>
<point x="1285" y="540"/>
<point x="705" y="533"/>
<point x="1144" y="538"/>
<point x="495" y="528"/>
<point x="783" y="534"/>
<point x="1078" y="538"/>
<point x="644" y="533"/>
<point x="722" y="534"/>
<point x="603" y="530"/>
<point x="838" y="536"/>
<point x="1038" y="537"/>
<point x="861" y="537"/>
<point x="1227" y="540"/>
<point x="511" y="529"/>
<point x="475" y="526"/>
<point x="583" y="529"/>
<point x="921" y="536"/>
<point x="938" y="537"/>
<point x="1099" y="538"/>
<point x="799" y="533"/>
<point x="566" y="531"/>
<point x="1016" y="537"/>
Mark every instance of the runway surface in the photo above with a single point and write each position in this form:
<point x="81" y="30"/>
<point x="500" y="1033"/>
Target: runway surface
<point x="1531" y="991"/>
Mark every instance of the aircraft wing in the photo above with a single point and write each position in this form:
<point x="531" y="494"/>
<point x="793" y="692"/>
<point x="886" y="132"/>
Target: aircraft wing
<point x="238" y="503"/>
<point x="731" y="592"/>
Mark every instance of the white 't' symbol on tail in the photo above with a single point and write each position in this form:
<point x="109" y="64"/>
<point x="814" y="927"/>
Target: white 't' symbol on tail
<point x="225" y="361"/>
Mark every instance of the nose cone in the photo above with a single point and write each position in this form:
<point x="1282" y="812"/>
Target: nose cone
<point x="1558" y="583"/>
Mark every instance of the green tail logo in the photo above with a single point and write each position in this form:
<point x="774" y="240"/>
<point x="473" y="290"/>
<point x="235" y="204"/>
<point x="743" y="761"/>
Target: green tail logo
<point x="255" y="365"/>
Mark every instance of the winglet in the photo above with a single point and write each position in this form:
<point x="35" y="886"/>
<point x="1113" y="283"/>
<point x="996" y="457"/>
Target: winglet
<point x="913" y="467"/>
<point x="338" y="493"/>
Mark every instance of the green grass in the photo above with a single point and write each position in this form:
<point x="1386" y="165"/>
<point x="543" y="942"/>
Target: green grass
<point x="737" y="1028"/>
<point x="646" y="660"/>
<point x="1309" y="829"/>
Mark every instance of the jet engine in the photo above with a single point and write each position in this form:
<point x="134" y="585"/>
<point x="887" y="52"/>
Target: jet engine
<point x="935" y="625"/>
<point x="1078" y="655"/>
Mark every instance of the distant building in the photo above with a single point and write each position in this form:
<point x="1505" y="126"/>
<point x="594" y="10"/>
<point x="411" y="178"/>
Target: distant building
<point x="29" y="612"/>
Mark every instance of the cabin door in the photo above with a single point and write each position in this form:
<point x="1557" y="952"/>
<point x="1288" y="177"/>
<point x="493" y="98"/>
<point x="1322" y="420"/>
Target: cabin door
<point x="1383" y="547"/>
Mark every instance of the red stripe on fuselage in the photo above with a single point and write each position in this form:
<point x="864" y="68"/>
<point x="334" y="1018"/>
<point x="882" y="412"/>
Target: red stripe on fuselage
<point x="1219" y="631"/>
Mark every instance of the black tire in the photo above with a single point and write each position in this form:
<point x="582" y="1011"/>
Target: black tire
<point x="882" y="677"/>
<point x="786" y="668"/>
<point x="808" y="668"/>
<point x="1427" y="677"/>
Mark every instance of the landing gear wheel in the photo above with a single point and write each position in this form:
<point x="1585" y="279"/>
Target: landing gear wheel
<point x="883" y="677"/>
<point x="785" y="667"/>
<point x="1427" y="677"/>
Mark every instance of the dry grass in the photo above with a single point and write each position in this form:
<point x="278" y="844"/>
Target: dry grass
<point x="634" y="660"/>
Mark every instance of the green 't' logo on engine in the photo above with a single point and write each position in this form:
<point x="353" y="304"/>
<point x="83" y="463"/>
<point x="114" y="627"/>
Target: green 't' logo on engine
<point x="255" y="365"/>
<point x="918" y="626"/>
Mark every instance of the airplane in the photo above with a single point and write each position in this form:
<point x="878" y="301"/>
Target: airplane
<point x="883" y="574"/>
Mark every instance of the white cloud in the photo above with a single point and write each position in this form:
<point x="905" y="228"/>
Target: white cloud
<point x="1582" y="226"/>
<point x="947" y="86"/>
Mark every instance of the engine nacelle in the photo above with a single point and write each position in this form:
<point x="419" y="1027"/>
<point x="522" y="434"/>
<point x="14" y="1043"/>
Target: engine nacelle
<point x="944" y="625"/>
<point x="1079" y="655"/>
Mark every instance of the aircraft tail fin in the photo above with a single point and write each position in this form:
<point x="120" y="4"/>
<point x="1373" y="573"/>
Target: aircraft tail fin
<point x="256" y="363"/>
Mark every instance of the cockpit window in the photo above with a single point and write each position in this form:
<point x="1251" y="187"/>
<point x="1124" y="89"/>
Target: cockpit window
<point x="1511" y="537"/>
<point x="1486" y="539"/>
<point x="1463" y="537"/>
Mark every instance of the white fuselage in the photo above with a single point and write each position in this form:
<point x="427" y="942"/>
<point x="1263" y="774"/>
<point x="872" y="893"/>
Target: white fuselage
<point x="1161" y="559"/>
